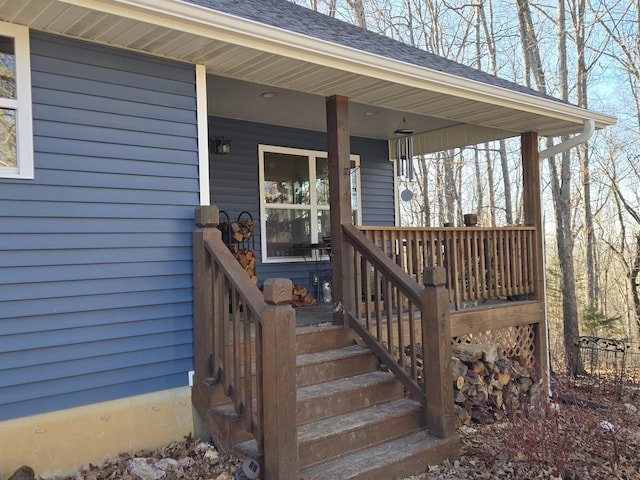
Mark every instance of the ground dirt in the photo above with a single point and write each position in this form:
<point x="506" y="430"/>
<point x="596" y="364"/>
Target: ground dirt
<point x="568" y="440"/>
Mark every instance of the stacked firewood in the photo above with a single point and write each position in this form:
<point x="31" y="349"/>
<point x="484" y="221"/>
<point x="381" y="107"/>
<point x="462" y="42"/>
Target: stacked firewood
<point x="488" y="386"/>
<point x="241" y="230"/>
<point x="301" y="297"/>
<point x="247" y="259"/>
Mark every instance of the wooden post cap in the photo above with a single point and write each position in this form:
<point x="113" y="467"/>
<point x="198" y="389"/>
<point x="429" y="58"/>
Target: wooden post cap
<point x="207" y="216"/>
<point x="278" y="291"/>
<point x="435" y="277"/>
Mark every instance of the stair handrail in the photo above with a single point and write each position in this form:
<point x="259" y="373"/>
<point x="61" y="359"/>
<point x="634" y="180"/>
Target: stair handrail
<point x="229" y="308"/>
<point x="436" y="393"/>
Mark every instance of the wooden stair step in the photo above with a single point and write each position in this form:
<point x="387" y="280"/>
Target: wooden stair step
<point x="228" y="425"/>
<point x="317" y="338"/>
<point x="331" y="437"/>
<point x="332" y="364"/>
<point x="319" y="367"/>
<point x="343" y="395"/>
<point x="401" y="457"/>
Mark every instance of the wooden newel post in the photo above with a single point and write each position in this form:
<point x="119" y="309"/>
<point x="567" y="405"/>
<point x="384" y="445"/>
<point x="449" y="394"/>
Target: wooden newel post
<point x="436" y="340"/>
<point x="206" y="220"/>
<point x="279" y="382"/>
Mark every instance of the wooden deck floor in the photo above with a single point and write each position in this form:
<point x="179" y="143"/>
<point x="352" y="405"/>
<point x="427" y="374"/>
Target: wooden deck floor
<point x="322" y="313"/>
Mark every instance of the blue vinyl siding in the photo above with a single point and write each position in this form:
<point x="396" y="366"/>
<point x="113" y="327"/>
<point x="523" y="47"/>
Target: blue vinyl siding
<point x="235" y="176"/>
<point x="95" y="255"/>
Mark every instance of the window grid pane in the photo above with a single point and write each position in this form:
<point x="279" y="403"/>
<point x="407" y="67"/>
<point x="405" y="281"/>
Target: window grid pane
<point x="322" y="181"/>
<point x="8" y="150"/>
<point x="8" y="86"/>
<point x="286" y="179"/>
<point x="295" y="201"/>
<point x="288" y="231"/>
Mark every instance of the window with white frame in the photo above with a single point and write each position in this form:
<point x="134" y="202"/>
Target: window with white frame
<point x="294" y="201"/>
<point x="16" y="142"/>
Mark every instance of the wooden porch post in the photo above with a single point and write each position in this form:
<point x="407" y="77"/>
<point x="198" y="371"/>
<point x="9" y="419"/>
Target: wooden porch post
<point x="340" y="200"/>
<point x="533" y="217"/>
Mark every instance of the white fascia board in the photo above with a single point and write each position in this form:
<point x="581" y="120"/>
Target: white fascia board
<point x="217" y="25"/>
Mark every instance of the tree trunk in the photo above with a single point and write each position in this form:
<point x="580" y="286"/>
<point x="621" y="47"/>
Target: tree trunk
<point x="424" y="186"/>
<point x="449" y="187"/>
<point x="331" y="8"/>
<point x="358" y="11"/>
<point x="583" y="155"/>
<point x="492" y="193"/>
<point x="564" y="237"/>
<point x="440" y="190"/>
<point x="506" y="181"/>
<point x="479" y="189"/>
<point x="634" y="277"/>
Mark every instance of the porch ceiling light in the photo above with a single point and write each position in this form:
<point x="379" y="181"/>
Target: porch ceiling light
<point x="404" y="149"/>
<point x="269" y="94"/>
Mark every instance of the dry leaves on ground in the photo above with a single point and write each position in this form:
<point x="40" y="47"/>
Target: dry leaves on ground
<point x="550" y="441"/>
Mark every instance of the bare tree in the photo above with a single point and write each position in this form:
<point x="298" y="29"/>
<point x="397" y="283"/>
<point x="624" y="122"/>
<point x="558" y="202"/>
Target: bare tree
<point x="486" y="31"/>
<point x="560" y="180"/>
<point x="623" y="171"/>
<point x="581" y="39"/>
<point x="620" y="20"/>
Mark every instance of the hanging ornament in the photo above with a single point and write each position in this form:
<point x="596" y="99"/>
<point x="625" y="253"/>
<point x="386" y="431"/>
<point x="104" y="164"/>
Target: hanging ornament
<point x="406" y="195"/>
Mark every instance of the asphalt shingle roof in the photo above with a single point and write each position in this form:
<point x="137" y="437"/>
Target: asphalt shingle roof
<point x="295" y="18"/>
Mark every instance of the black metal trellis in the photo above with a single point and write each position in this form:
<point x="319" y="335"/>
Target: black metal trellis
<point x="610" y="365"/>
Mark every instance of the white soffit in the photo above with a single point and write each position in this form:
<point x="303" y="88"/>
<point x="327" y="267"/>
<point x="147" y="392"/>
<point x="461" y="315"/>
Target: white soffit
<point x="452" y="137"/>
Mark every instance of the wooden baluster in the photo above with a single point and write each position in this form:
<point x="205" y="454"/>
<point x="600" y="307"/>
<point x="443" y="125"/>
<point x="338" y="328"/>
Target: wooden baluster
<point x="482" y="253"/>
<point x="236" y="353"/>
<point x="248" y="359"/>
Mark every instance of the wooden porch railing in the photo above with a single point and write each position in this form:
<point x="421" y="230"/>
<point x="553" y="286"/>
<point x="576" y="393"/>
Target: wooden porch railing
<point x="404" y="318"/>
<point x="237" y="326"/>
<point x="480" y="263"/>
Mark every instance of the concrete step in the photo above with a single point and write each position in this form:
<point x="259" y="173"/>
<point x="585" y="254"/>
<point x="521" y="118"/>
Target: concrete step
<point x="398" y="458"/>
<point x="328" y="399"/>
<point x="331" y="437"/>
<point x="332" y="364"/>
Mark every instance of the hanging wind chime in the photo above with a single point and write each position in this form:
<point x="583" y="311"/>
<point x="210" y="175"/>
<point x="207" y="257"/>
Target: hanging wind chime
<point x="404" y="150"/>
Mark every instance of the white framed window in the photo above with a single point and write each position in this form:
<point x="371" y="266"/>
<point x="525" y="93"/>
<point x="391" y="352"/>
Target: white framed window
<point x="294" y="202"/>
<point x="16" y="131"/>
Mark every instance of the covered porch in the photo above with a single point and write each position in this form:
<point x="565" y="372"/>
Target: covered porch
<point x="395" y="291"/>
<point x="398" y="294"/>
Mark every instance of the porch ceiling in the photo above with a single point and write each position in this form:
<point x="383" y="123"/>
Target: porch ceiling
<point x="245" y="59"/>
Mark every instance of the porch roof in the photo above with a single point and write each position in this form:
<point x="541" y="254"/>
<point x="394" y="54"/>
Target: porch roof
<point x="258" y="45"/>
